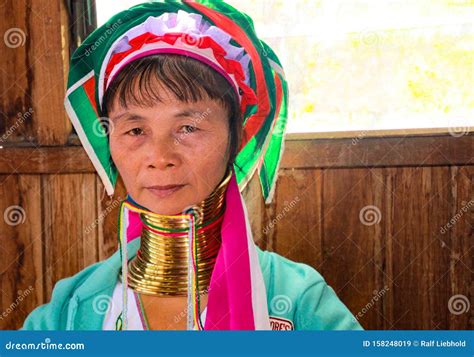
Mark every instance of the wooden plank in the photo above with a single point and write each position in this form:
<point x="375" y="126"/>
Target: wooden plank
<point x="359" y="134"/>
<point x="379" y="152"/>
<point x="48" y="60"/>
<point x="385" y="258"/>
<point x="45" y="160"/>
<point x="353" y="215"/>
<point x="21" y="276"/>
<point x="109" y="209"/>
<point x="16" y="76"/>
<point x="69" y="211"/>
<point x="296" y="222"/>
<point x="461" y="248"/>
<point x="420" y="258"/>
<point x="252" y="195"/>
<point x="33" y="72"/>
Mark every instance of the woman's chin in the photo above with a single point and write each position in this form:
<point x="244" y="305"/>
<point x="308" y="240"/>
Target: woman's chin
<point x="166" y="208"/>
<point x="171" y="205"/>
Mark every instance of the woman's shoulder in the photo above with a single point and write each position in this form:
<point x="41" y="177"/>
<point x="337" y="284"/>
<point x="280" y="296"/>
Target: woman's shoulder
<point x="291" y="272"/>
<point x="299" y="298"/>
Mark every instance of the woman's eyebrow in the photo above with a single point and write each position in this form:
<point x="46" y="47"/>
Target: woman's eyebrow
<point x="136" y="117"/>
<point x="127" y="117"/>
<point x="189" y="113"/>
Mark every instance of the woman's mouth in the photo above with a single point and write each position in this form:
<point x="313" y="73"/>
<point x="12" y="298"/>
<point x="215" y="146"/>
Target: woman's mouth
<point x="164" y="191"/>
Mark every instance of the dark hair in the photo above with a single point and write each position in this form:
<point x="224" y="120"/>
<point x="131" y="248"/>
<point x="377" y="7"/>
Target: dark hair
<point x="188" y="79"/>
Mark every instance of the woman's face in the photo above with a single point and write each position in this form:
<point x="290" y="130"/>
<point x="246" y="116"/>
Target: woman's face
<point x="171" y="143"/>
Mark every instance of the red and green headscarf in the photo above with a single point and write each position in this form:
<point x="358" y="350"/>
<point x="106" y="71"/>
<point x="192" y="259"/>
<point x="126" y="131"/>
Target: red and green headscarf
<point x="210" y="31"/>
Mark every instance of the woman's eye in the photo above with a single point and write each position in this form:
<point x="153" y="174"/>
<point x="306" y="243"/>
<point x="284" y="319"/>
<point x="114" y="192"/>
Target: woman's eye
<point x="189" y="128"/>
<point x="135" y="132"/>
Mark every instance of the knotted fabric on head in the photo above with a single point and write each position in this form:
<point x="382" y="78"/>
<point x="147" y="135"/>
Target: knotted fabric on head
<point x="212" y="32"/>
<point x="223" y="38"/>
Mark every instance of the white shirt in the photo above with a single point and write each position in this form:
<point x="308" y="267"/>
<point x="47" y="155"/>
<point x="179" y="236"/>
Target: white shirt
<point x="134" y="321"/>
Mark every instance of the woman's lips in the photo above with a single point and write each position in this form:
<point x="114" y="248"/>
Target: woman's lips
<point x="164" y="192"/>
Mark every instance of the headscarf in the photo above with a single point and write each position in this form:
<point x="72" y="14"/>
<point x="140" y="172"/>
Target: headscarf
<point x="224" y="38"/>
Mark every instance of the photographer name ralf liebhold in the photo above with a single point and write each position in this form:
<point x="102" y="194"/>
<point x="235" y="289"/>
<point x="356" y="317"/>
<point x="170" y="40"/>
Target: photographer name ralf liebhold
<point x="443" y="343"/>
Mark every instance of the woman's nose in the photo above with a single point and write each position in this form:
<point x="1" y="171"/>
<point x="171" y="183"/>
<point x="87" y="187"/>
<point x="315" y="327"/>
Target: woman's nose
<point x="163" y="153"/>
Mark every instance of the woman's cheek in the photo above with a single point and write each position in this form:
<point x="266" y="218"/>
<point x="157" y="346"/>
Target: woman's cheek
<point x="122" y="150"/>
<point x="133" y="143"/>
<point x="216" y="151"/>
<point x="210" y="165"/>
<point x="116" y="151"/>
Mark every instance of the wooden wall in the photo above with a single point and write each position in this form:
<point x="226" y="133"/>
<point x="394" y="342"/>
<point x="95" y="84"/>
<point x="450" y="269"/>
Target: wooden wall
<point x="396" y="267"/>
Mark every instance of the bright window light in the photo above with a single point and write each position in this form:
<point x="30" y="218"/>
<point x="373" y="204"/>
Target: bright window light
<point x="365" y="65"/>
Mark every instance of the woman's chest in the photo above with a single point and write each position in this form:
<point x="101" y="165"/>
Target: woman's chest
<point x="164" y="314"/>
<point x="167" y="313"/>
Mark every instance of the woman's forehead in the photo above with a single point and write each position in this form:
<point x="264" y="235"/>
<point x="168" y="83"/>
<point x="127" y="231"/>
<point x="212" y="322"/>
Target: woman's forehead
<point x="172" y="109"/>
<point x="161" y="96"/>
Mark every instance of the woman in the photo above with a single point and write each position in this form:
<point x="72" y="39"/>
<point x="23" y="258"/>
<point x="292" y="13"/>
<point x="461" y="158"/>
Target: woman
<point x="185" y="102"/>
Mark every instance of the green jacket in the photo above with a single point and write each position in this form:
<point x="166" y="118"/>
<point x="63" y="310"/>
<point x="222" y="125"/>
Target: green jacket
<point x="298" y="297"/>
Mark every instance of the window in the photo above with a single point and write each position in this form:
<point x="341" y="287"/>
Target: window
<point x="367" y="65"/>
